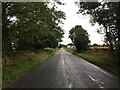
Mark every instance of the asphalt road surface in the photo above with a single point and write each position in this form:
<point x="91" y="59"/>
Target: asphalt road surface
<point x="65" y="70"/>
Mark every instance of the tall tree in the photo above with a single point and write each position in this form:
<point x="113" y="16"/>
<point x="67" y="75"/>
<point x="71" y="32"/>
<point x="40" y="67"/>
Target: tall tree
<point x="79" y="37"/>
<point x="106" y="14"/>
<point x="28" y="25"/>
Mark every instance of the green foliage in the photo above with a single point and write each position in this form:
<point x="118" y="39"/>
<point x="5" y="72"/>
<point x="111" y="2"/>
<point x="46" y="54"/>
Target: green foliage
<point x="35" y="26"/>
<point x="22" y="63"/>
<point x="108" y="15"/>
<point x="99" y="58"/>
<point x="79" y="37"/>
<point x="101" y="62"/>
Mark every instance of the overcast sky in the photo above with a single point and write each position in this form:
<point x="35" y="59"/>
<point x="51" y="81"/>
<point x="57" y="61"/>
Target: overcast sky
<point x="73" y="19"/>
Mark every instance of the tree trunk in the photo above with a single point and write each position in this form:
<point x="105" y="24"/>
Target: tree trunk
<point x="109" y="39"/>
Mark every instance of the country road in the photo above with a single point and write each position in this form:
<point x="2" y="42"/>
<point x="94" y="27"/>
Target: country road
<point x="65" y="70"/>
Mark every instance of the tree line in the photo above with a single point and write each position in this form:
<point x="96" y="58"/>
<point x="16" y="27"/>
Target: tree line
<point x="106" y="14"/>
<point x="30" y="26"/>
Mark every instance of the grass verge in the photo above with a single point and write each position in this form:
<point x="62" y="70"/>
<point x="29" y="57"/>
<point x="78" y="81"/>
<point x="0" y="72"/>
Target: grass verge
<point x="22" y="63"/>
<point x="100" y="58"/>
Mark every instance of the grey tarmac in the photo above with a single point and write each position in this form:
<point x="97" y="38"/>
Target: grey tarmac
<point x="65" y="70"/>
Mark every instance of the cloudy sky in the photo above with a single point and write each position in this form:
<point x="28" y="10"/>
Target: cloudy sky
<point x="73" y="19"/>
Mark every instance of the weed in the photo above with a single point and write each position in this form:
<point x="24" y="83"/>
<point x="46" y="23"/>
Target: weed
<point x="101" y="58"/>
<point x="19" y="63"/>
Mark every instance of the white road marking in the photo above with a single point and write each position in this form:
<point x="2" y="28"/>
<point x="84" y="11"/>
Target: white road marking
<point x="100" y="83"/>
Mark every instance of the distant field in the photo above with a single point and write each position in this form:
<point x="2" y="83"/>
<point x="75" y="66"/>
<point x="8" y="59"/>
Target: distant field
<point x="98" y="47"/>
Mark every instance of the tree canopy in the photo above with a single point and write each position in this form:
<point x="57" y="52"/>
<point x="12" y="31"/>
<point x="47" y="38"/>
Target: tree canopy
<point x="108" y="15"/>
<point x="30" y="25"/>
<point x="79" y="37"/>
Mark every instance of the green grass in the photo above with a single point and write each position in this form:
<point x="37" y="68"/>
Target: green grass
<point x="101" y="63"/>
<point x="100" y="58"/>
<point x="13" y="71"/>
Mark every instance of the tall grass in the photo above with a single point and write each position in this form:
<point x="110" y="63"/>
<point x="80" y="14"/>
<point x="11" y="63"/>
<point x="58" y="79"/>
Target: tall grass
<point x="101" y="58"/>
<point x="15" y="67"/>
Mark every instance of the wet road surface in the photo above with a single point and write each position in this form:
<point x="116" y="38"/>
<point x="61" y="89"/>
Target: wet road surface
<point x="65" y="70"/>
